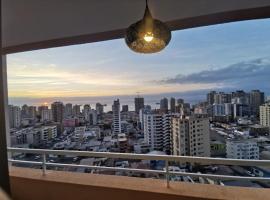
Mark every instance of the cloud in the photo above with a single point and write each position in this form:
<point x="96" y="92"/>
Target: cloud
<point x="250" y="74"/>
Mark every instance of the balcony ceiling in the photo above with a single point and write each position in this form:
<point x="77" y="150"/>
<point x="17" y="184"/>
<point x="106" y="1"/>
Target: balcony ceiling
<point x="37" y="24"/>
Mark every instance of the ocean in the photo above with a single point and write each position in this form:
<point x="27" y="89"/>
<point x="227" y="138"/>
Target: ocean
<point x="149" y="99"/>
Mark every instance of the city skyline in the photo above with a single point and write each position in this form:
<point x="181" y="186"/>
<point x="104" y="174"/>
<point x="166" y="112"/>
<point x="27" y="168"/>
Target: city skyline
<point x="135" y="103"/>
<point x="233" y="56"/>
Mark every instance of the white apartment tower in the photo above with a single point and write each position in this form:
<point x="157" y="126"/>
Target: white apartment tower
<point x="191" y="136"/>
<point x="153" y="132"/>
<point x="14" y="116"/>
<point x="157" y="131"/>
<point x="116" y="117"/>
<point x="265" y="114"/>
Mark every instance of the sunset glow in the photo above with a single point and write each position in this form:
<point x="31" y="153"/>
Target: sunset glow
<point x="94" y="70"/>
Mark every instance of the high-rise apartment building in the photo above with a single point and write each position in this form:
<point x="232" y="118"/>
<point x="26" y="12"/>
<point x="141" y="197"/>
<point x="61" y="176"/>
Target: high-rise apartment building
<point x="92" y="117"/>
<point x="86" y="112"/>
<point x="218" y="109"/>
<point x="99" y="108"/>
<point x="201" y="108"/>
<point x="241" y="100"/>
<point x="124" y="108"/>
<point x="139" y="104"/>
<point x="265" y="114"/>
<point x="221" y="98"/>
<point x="46" y="115"/>
<point x="24" y="111"/>
<point x="157" y="131"/>
<point x="239" y="93"/>
<point x="256" y="99"/>
<point x="164" y="104"/>
<point x="180" y="101"/>
<point x="142" y="113"/>
<point x="241" y="110"/>
<point x="40" y="108"/>
<point x="116" y="117"/>
<point x="153" y="131"/>
<point x="167" y="132"/>
<point x="76" y="110"/>
<point x="14" y="116"/>
<point x="172" y="105"/>
<point x="32" y="112"/>
<point x="211" y="97"/>
<point x="86" y="107"/>
<point x="57" y="111"/>
<point x="191" y="136"/>
<point x="28" y="112"/>
<point x="68" y="110"/>
<point x="186" y="109"/>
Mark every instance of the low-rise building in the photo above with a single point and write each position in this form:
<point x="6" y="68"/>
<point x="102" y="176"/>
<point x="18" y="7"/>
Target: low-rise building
<point x="242" y="149"/>
<point x="79" y="134"/>
<point x="48" y="132"/>
<point x="21" y="137"/>
<point x="33" y="136"/>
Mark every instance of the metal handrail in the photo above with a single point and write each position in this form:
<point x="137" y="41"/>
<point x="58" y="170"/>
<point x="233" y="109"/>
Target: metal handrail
<point x="166" y="158"/>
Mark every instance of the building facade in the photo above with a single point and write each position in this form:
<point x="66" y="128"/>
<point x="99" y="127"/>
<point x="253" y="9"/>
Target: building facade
<point x="46" y="115"/>
<point x="158" y="131"/>
<point x="68" y="110"/>
<point x="124" y="108"/>
<point x="57" y="111"/>
<point x="191" y="136"/>
<point x="139" y="104"/>
<point x="265" y="114"/>
<point x="48" y="133"/>
<point x="76" y="110"/>
<point x="172" y="105"/>
<point x="256" y="100"/>
<point x="14" y="116"/>
<point x="164" y="104"/>
<point x="242" y="149"/>
<point x="116" y="117"/>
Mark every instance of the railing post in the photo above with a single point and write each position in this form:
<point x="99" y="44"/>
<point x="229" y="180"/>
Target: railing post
<point x="167" y="174"/>
<point x="43" y="164"/>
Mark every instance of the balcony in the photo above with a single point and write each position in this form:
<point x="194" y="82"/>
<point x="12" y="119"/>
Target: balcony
<point x="27" y="183"/>
<point x="34" y="25"/>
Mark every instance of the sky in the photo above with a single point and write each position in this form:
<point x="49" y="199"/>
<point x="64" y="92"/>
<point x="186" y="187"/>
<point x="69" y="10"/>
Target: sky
<point x="222" y="57"/>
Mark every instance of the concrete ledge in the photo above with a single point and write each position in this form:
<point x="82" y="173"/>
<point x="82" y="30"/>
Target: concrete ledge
<point x="3" y="195"/>
<point x="28" y="184"/>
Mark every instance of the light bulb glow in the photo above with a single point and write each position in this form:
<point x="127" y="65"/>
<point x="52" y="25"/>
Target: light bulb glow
<point x="148" y="37"/>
